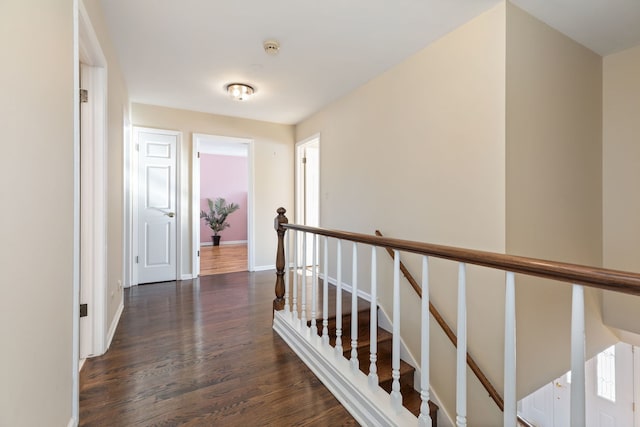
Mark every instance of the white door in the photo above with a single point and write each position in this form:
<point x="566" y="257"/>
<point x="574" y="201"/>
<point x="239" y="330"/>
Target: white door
<point x="537" y="407"/>
<point x="157" y="214"/>
<point x="562" y="401"/>
<point x="610" y="388"/>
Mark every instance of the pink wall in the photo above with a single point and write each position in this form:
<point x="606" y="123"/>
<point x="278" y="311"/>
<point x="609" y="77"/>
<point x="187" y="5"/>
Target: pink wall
<point x="224" y="176"/>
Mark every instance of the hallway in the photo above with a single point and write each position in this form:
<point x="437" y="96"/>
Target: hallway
<point x="202" y="353"/>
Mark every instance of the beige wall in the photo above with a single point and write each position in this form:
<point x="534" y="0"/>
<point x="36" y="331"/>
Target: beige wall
<point x="418" y="152"/>
<point x="621" y="176"/>
<point x="36" y="168"/>
<point x="554" y="185"/>
<point x="273" y="167"/>
<point x="117" y="110"/>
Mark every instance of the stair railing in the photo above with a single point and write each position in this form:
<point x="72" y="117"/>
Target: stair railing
<point x="491" y="390"/>
<point x="577" y="275"/>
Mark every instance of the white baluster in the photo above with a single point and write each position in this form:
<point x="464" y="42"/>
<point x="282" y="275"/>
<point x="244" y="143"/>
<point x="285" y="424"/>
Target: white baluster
<point x="510" y="409"/>
<point x="287" y="272"/>
<point x="424" y="420"/>
<point x="294" y="311"/>
<point x="314" y="289"/>
<point x="354" y="310"/>
<point x="303" y="279"/>
<point x="577" y="358"/>
<point x="338" y="347"/>
<point x="325" y="294"/>
<point x="396" y="397"/>
<point x="373" y="322"/>
<point x="461" y="375"/>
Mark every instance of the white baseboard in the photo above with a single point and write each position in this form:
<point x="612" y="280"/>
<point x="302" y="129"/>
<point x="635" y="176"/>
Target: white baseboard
<point x="114" y="325"/>
<point x="369" y="406"/>
<point x="264" y="267"/>
<point x="225" y="242"/>
<point x="347" y="288"/>
<point x="72" y="422"/>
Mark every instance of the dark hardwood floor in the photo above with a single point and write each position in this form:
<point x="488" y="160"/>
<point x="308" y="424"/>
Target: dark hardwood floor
<point x="202" y="353"/>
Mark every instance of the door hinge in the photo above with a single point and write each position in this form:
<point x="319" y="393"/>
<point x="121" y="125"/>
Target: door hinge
<point x="137" y="147"/>
<point x="84" y="96"/>
<point x="198" y="253"/>
<point x="198" y="154"/>
<point x="83" y="310"/>
<point x="137" y="259"/>
<point x="304" y="160"/>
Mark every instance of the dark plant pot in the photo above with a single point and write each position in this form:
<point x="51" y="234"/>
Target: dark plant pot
<point x="216" y="240"/>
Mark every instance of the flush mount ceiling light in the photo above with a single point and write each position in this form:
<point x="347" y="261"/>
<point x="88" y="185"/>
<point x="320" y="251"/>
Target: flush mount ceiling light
<point x="239" y="91"/>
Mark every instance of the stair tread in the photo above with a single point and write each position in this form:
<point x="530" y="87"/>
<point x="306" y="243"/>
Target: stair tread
<point x="411" y="397"/>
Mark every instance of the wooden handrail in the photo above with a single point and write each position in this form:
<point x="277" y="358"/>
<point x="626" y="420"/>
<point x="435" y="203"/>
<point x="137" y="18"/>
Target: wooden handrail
<point x="601" y="278"/>
<point x="607" y="279"/>
<point x="449" y="333"/>
<point x="493" y="393"/>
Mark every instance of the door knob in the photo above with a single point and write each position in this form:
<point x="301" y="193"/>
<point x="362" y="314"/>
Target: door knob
<point x="170" y="214"/>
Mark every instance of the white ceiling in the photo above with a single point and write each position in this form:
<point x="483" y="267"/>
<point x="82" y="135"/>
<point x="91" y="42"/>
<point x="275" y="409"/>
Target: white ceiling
<point x="181" y="54"/>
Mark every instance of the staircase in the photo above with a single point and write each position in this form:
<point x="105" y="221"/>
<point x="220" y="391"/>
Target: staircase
<point x="410" y="397"/>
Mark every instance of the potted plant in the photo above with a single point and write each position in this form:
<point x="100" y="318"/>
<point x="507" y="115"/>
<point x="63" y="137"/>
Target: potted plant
<point x="216" y="218"/>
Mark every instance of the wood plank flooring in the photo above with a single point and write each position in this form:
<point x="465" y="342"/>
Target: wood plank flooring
<point x="202" y="353"/>
<point x="223" y="259"/>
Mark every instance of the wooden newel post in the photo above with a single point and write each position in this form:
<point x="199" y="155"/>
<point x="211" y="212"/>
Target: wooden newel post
<point x="278" y="302"/>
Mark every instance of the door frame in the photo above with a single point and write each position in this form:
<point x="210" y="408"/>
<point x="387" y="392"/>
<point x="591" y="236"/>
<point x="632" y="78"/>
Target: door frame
<point x="195" y="198"/>
<point x="300" y="194"/>
<point x="133" y="181"/>
<point x="92" y="202"/>
<point x="299" y="180"/>
<point x="86" y="49"/>
<point x="636" y="384"/>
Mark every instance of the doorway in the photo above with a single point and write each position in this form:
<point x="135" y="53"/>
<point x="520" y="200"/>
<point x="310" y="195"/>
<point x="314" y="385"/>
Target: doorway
<point x="93" y="339"/>
<point x="223" y="168"/>
<point x="156" y="232"/>
<point x="611" y="381"/>
<point x="90" y="335"/>
<point x="308" y="189"/>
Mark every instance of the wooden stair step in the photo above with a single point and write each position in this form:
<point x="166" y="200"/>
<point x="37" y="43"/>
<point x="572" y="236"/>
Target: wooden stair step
<point x="410" y="397"/>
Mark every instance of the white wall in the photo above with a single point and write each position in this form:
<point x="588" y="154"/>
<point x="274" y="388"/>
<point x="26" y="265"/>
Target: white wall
<point x="36" y="231"/>
<point x="418" y="152"/>
<point x="621" y="175"/>
<point x="554" y="186"/>
<point x="273" y="163"/>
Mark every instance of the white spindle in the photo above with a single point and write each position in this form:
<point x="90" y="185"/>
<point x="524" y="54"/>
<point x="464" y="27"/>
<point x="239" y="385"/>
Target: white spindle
<point x="461" y="374"/>
<point x="294" y="311"/>
<point x="338" y="347"/>
<point x="396" y="397"/>
<point x="373" y="322"/>
<point x="577" y="358"/>
<point x="510" y="409"/>
<point x="325" y="294"/>
<point x="287" y="272"/>
<point x="354" y="310"/>
<point x="314" y="288"/>
<point x="303" y="279"/>
<point x="424" y="420"/>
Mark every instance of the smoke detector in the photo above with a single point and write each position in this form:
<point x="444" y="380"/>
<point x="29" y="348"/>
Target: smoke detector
<point x="271" y="47"/>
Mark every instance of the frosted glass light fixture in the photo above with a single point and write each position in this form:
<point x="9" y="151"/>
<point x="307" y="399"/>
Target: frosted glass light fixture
<point x="239" y="91"/>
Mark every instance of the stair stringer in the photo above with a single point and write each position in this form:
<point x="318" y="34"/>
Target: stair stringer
<point x="444" y="418"/>
<point x="369" y="407"/>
